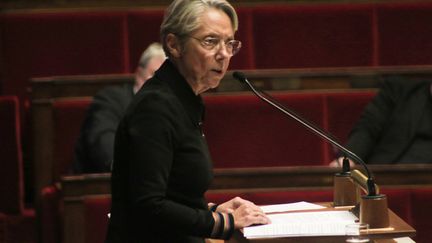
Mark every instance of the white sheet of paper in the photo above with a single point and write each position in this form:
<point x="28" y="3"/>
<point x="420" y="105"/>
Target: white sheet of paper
<point x="319" y="223"/>
<point x="286" y="207"/>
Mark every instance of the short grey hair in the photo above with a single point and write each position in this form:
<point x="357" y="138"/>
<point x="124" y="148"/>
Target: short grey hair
<point x="153" y="50"/>
<point x="181" y="17"/>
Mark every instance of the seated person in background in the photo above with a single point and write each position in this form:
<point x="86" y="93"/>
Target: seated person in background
<point x="396" y="126"/>
<point x="94" y="148"/>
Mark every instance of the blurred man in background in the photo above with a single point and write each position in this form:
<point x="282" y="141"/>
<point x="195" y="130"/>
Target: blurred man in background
<point x="94" y="148"/>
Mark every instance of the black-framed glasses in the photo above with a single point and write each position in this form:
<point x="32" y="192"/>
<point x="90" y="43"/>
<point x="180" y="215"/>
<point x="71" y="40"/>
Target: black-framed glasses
<point x="211" y="43"/>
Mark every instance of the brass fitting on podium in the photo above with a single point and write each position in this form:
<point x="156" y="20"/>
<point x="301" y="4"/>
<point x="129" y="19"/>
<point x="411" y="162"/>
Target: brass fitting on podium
<point x="345" y="192"/>
<point x="374" y="211"/>
<point x="373" y="208"/>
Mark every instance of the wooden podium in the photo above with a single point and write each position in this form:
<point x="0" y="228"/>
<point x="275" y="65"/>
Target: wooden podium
<point x="79" y="187"/>
<point x="398" y="228"/>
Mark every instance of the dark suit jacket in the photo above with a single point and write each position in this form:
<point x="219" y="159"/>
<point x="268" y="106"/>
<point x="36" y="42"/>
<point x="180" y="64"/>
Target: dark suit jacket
<point x="95" y="146"/>
<point x="389" y="122"/>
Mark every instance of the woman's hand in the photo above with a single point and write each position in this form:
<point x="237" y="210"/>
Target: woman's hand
<point x="247" y="215"/>
<point x="233" y="204"/>
<point x="245" y="212"/>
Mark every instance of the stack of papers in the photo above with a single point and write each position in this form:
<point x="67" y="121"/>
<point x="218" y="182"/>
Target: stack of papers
<point x="288" y="207"/>
<point x="293" y="223"/>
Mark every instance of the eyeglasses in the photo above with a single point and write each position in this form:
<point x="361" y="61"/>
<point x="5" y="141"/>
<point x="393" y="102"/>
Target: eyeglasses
<point x="210" y="43"/>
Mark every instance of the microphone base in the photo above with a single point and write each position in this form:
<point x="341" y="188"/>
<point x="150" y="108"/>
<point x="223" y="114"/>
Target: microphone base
<point x="374" y="211"/>
<point x="345" y="192"/>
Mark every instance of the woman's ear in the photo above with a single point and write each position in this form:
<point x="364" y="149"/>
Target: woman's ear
<point x="173" y="45"/>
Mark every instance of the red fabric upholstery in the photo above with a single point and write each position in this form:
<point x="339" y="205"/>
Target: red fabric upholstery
<point x="143" y="29"/>
<point x="17" y="224"/>
<point x="50" y="217"/>
<point x="245" y="59"/>
<point x="404" y="33"/>
<point x="68" y="117"/>
<point x="11" y="172"/>
<point x="43" y="44"/>
<point x="96" y="218"/>
<point x="22" y="228"/>
<point x="313" y="36"/>
<point x="274" y="36"/>
<point x="250" y="133"/>
<point x="343" y="111"/>
<point x="243" y="131"/>
<point x="421" y="213"/>
<point x="399" y="201"/>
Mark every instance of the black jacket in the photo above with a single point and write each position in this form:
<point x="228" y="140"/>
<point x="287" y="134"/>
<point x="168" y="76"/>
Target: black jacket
<point x="390" y="122"/>
<point x="95" y="145"/>
<point x="162" y="166"/>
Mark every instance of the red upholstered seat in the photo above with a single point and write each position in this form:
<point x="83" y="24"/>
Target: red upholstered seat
<point x="96" y="211"/>
<point x="343" y="111"/>
<point x="243" y="131"/>
<point x="22" y="227"/>
<point x="331" y="35"/>
<point x="399" y="201"/>
<point x="404" y="33"/>
<point x="17" y="223"/>
<point x="421" y="211"/>
<point x="11" y="173"/>
<point x="245" y="59"/>
<point x="39" y="44"/>
<point x="51" y="214"/>
<point x="68" y="116"/>
<point x="142" y="30"/>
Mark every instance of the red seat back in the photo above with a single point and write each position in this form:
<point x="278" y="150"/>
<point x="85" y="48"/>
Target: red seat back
<point x="243" y="131"/>
<point x="68" y="116"/>
<point x="343" y="111"/>
<point x="96" y="218"/>
<point x="11" y="172"/>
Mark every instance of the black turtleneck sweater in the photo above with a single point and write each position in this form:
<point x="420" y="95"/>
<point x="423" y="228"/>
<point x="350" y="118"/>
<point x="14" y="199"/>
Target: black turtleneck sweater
<point x="162" y="166"/>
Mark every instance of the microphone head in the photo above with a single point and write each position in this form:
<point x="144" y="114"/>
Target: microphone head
<point x="239" y="76"/>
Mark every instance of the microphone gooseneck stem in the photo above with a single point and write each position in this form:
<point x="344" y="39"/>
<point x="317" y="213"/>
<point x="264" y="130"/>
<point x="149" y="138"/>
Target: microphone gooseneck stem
<point x="371" y="185"/>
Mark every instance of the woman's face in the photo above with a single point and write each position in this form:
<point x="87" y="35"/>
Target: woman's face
<point x="204" y="58"/>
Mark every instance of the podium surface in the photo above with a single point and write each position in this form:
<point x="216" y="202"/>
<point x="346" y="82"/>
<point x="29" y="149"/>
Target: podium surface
<point x="398" y="228"/>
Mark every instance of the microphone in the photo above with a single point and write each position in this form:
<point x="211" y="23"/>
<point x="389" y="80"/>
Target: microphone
<point x="370" y="184"/>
